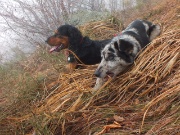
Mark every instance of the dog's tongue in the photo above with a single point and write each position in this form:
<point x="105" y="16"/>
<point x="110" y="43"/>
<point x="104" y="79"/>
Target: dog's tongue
<point x="56" y="48"/>
<point x="111" y="74"/>
<point x="53" y="49"/>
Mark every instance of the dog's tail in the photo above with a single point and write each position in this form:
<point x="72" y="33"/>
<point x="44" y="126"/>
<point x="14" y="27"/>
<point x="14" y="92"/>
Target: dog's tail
<point x="154" y="31"/>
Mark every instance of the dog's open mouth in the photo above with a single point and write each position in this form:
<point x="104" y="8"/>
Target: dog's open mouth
<point x="108" y="73"/>
<point x="56" y="48"/>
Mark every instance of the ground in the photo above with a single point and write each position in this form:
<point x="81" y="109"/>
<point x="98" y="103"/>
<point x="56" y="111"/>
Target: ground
<point x="43" y="98"/>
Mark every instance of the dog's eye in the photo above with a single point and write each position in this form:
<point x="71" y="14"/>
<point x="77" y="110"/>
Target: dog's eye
<point x="111" y="57"/>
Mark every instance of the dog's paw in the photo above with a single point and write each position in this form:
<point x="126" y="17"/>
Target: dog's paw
<point x="95" y="88"/>
<point x="99" y="83"/>
<point x="156" y="31"/>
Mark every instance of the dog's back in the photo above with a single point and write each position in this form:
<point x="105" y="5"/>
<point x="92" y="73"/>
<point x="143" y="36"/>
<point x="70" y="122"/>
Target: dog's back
<point x="143" y="31"/>
<point x="139" y="33"/>
<point x="90" y="51"/>
<point x="123" y="49"/>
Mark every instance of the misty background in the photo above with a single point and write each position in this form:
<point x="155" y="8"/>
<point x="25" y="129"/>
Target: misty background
<point x="26" y="24"/>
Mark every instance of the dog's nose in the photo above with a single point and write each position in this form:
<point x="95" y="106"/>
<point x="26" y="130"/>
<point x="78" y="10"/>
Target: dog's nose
<point x="46" y="40"/>
<point x="97" y="73"/>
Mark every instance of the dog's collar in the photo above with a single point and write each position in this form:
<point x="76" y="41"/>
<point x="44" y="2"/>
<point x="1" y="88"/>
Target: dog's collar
<point x="117" y="34"/>
<point x="71" y="58"/>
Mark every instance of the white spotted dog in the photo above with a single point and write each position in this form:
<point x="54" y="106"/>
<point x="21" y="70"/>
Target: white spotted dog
<point x="122" y="50"/>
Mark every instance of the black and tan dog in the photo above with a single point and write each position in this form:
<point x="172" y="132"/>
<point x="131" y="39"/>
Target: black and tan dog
<point x="123" y="49"/>
<point x="69" y="37"/>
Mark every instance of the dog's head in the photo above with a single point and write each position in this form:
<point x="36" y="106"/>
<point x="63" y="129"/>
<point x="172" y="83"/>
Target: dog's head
<point x="114" y="59"/>
<point x="64" y="37"/>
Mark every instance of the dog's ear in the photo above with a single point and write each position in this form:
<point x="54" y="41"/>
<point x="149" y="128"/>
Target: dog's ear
<point x="126" y="49"/>
<point x="75" y="37"/>
<point x="126" y="57"/>
<point x="116" y="46"/>
<point x="126" y="46"/>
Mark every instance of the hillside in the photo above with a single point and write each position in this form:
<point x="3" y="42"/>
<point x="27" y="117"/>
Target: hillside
<point x="144" y="100"/>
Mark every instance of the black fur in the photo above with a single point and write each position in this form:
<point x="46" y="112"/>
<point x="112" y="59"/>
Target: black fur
<point x="141" y="37"/>
<point x="87" y="50"/>
<point x="72" y="33"/>
<point x="125" y="46"/>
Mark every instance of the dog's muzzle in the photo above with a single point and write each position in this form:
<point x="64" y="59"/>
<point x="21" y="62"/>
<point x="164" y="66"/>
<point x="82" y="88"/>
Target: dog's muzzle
<point x="98" y="73"/>
<point x="57" y="48"/>
<point x="54" y="48"/>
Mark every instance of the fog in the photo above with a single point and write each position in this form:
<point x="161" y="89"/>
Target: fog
<point x="24" y="25"/>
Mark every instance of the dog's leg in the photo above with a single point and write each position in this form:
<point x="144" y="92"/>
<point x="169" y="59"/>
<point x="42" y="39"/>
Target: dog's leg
<point x="99" y="83"/>
<point x="155" y="31"/>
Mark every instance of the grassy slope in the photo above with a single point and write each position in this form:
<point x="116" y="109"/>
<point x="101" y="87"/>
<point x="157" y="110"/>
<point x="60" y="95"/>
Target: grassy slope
<point x="32" y="100"/>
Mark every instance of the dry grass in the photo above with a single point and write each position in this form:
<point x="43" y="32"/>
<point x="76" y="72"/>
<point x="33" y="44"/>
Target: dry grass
<point x="102" y="29"/>
<point x="154" y="78"/>
<point x="145" y="99"/>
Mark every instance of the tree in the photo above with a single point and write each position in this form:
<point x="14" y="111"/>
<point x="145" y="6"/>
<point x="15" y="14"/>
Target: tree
<point x="35" y="20"/>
